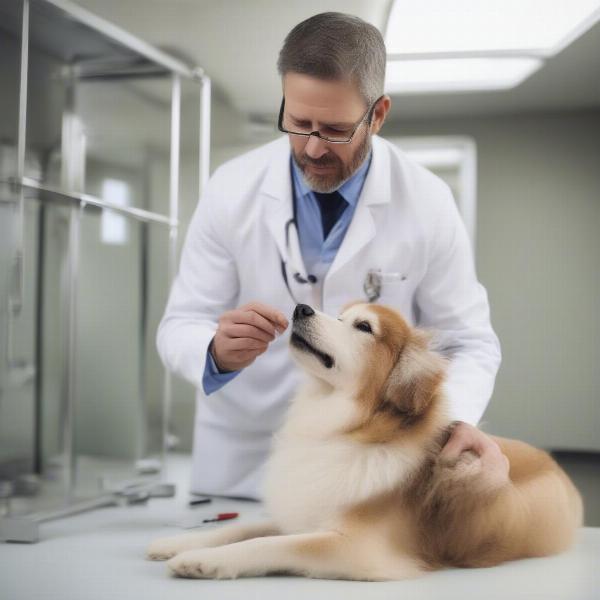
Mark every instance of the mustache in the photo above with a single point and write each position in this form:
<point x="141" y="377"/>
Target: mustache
<point x="323" y="161"/>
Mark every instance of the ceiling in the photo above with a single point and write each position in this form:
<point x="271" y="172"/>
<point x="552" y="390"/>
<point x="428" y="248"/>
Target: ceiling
<point x="237" y="41"/>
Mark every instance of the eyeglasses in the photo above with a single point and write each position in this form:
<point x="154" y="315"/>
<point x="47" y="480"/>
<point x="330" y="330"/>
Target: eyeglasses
<point x="332" y="134"/>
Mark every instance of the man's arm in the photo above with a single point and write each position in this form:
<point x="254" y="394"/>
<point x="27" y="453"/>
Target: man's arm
<point x="242" y="336"/>
<point x="454" y="304"/>
<point x="201" y="337"/>
<point x="206" y="285"/>
<point x="213" y="378"/>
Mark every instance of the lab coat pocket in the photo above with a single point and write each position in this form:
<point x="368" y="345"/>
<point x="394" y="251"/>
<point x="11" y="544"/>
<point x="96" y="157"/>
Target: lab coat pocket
<point x="381" y="284"/>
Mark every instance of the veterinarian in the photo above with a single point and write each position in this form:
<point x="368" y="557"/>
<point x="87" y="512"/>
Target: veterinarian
<point x="327" y="214"/>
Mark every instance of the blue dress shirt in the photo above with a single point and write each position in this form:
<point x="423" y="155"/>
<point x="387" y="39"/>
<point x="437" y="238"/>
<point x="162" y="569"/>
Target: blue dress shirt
<point x="313" y="247"/>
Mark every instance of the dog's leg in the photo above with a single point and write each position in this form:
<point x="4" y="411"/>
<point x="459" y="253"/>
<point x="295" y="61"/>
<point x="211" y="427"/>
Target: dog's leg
<point x="165" y="548"/>
<point x="327" y="555"/>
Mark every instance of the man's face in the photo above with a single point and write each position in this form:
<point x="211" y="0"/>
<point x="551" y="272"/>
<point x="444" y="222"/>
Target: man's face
<point x="325" y="106"/>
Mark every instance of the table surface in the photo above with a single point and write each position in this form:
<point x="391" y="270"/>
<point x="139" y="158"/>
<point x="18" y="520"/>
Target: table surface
<point x="100" y="555"/>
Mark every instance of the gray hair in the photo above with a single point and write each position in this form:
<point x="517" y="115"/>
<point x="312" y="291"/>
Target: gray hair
<point x="337" y="46"/>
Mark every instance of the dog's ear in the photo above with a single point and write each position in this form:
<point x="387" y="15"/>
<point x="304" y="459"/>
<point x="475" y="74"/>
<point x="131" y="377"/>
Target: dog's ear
<point x="415" y="379"/>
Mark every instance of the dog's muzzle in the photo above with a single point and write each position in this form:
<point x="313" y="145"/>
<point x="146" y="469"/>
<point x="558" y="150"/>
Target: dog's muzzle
<point x="301" y="337"/>
<point x="303" y="311"/>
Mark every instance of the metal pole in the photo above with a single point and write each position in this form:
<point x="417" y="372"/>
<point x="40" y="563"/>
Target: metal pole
<point x="48" y="193"/>
<point x="72" y="175"/>
<point x="144" y="245"/>
<point x="16" y="298"/>
<point x="69" y="374"/>
<point x="73" y="11"/>
<point x="204" y="154"/>
<point x="172" y="250"/>
<point x="175" y="143"/>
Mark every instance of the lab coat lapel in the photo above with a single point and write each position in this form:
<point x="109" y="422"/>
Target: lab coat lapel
<point x="276" y="193"/>
<point x="376" y="190"/>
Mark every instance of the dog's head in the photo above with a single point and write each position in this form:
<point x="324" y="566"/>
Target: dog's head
<point x="371" y="354"/>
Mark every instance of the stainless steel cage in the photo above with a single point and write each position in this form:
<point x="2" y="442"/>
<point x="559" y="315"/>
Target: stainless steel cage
<point x="116" y="55"/>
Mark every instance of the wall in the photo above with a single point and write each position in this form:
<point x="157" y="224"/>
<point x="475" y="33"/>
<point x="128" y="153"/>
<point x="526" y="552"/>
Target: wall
<point x="537" y="254"/>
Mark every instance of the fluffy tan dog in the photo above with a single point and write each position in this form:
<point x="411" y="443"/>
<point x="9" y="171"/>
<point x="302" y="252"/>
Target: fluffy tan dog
<point x="355" y="485"/>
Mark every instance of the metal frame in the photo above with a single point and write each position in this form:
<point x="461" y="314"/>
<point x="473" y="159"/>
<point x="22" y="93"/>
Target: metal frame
<point x="123" y="37"/>
<point x="172" y="266"/>
<point x="51" y="194"/>
<point x="15" y="301"/>
<point x="26" y="529"/>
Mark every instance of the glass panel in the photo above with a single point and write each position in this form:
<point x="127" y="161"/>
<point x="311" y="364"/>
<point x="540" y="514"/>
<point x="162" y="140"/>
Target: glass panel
<point x="119" y="378"/>
<point x="156" y="286"/>
<point x="54" y="277"/>
<point x="121" y="293"/>
<point x="126" y="128"/>
<point x="16" y="398"/>
<point x="10" y="65"/>
<point x="20" y="441"/>
<point x="98" y="121"/>
<point x="107" y="105"/>
<point x="17" y="347"/>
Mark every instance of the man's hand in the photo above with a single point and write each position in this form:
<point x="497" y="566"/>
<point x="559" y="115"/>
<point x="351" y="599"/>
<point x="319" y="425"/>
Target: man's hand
<point x="245" y="333"/>
<point x="465" y="437"/>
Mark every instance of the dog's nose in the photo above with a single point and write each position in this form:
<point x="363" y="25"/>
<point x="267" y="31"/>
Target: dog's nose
<point x="302" y="311"/>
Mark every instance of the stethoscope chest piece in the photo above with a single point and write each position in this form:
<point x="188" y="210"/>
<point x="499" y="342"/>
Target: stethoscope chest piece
<point x="372" y="285"/>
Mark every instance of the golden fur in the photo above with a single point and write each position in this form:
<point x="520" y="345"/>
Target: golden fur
<point x="355" y="485"/>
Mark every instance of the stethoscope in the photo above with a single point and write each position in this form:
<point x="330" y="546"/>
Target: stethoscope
<point x="291" y="265"/>
<point x="373" y="282"/>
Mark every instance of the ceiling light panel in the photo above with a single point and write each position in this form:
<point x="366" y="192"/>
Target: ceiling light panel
<point x="541" y="27"/>
<point x="457" y="75"/>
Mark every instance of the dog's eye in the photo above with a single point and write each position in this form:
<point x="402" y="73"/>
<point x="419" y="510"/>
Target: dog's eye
<point x="364" y="326"/>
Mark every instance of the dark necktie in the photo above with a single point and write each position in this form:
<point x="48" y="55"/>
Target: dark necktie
<point x="332" y="206"/>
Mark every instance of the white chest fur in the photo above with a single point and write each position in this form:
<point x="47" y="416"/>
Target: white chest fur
<point x="311" y="481"/>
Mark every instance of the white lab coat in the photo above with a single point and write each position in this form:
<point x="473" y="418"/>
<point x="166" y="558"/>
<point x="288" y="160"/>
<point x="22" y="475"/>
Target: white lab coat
<point x="406" y="222"/>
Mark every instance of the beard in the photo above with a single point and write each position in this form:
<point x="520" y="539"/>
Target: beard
<point x="329" y="182"/>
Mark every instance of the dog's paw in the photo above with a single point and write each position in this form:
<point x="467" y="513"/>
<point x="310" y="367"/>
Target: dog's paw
<point x="165" y="548"/>
<point x="206" y="563"/>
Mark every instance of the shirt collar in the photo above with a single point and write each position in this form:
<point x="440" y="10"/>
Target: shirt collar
<point x="349" y="190"/>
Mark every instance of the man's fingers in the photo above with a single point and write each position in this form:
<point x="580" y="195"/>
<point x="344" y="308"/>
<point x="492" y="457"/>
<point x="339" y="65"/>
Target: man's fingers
<point x="461" y="439"/>
<point x="242" y="344"/>
<point x="248" y="355"/>
<point x="244" y="358"/>
<point x="489" y="448"/>
<point x="466" y="437"/>
<point x="270" y="314"/>
<point x="245" y="333"/>
<point x="238" y="330"/>
<point x="248" y="317"/>
<point x="453" y="449"/>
